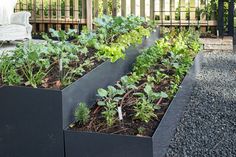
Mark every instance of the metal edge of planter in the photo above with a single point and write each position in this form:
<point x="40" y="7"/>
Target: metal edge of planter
<point x="85" y="89"/>
<point x="89" y="144"/>
<point x="25" y="128"/>
<point x="167" y="127"/>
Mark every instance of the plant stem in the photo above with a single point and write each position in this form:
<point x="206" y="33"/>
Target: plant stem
<point x="128" y="93"/>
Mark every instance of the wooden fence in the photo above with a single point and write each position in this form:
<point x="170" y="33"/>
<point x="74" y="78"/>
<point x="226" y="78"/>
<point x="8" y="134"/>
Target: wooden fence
<point x="64" y="14"/>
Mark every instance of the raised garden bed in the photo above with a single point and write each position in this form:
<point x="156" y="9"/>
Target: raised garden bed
<point x="112" y="145"/>
<point x="32" y="120"/>
<point x="133" y="135"/>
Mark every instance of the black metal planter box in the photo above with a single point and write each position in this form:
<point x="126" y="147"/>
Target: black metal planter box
<point x="88" y="144"/>
<point x="32" y="120"/>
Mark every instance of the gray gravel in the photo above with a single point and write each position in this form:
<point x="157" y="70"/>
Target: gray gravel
<point x="208" y="127"/>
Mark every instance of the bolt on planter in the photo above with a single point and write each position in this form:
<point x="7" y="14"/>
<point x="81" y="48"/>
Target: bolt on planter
<point x="92" y="144"/>
<point x="32" y="120"/>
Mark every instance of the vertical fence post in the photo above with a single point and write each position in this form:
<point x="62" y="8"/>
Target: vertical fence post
<point x="172" y="9"/>
<point x="89" y="14"/>
<point x="192" y="11"/>
<point x="18" y="6"/>
<point x="167" y="10"/>
<point x="25" y="6"/>
<point x="96" y="8"/>
<point x="142" y="8"/>
<point x="67" y="14"/>
<point x="231" y="18"/>
<point x="161" y="8"/>
<point x="76" y="12"/>
<point x="33" y="15"/>
<point x="152" y="8"/>
<point x="182" y="11"/>
<point x="58" y="14"/>
<point x="123" y="7"/>
<point x="83" y="6"/>
<point x="220" y="24"/>
<point x="114" y="7"/>
<point x="41" y="13"/>
<point x="76" y="9"/>
<point x="49" y="14"/>
<point x="67" y="9"/>
<point x="105" y="7"/>
<point x="133" y="7"/>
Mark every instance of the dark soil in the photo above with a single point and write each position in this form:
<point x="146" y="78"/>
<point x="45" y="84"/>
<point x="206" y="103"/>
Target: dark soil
<point x="53" y="79"/>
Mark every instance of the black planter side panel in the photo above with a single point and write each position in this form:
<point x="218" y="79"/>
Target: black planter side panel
<point x="166" y="129"/>
<point x="30" y="123"/>
<point x="78" y="144"/>
<point x="85" y="89"/>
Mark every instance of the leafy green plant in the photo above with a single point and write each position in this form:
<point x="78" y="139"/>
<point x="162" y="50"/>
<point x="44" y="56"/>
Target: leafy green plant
<point x="145" y="107"/>
<point x="144" y="110"/>
<point x="109" y="99"/>
<point x="109" y="28"/>
<point x="160" y="76"/>
<point x="127" y="82"/>
<point x="8" y="72"/>
<point x="82" y="114"/>
<point x="115" y="51"/>
<point x="9" y="75"/>
<point x="69" y="53"/>
<point x="151" y="56"/>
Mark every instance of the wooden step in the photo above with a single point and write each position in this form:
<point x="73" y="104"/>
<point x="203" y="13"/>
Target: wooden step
<point x="224" y="44"/>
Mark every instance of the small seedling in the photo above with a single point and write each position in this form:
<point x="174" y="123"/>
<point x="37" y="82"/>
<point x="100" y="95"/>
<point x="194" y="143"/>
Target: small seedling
<point x="82" y="114"/>
<point x="141" y="130"/>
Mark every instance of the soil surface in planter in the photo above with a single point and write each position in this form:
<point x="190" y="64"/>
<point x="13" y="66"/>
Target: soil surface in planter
<point x="53" y="79"/>
<point x="130" y="125"/>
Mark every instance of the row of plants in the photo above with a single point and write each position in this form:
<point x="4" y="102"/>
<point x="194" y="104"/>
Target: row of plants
<point x="137" y="102"/>
<point x="56" y="64"/>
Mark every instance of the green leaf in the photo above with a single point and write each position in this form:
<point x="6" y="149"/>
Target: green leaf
<point x="163" y="95"/>
<point x="120" y="92"/>
<point x="101" y="103"/>
<point x="116" y="99"/>
<point x="157" y="107"/>
<point x="148" y="89"/>
<point x="111" y="89"/>
<point x="102" y="92"/>
<point x="139" y="94"/>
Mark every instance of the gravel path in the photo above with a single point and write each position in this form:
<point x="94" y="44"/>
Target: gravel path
<point x="208" y="127"/>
